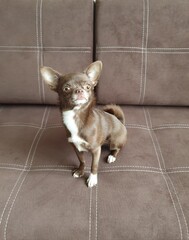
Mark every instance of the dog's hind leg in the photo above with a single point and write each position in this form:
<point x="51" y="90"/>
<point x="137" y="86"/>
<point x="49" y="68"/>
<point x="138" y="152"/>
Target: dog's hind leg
<point x="113" y="154"/>
<point x="117" y="141"/>
<point x="115" y="146"/>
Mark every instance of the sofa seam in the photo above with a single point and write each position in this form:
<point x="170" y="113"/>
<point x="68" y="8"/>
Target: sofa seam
<point x="90" y="213"/>
<point x="96" y="214"/>
<point x="142" y="60"/>
<point x="52" y="51"/>
<point x="94" y="35"/>
<point x="33" y="147"/>
<point x="163" y="160"/>
<point x="21" y="166"/>
<point x="146" y="54"/>
<point x="37" y="49"/>
<point x="41" y="46"/>
<point x="172" y="184"/>
<point x="10" y="195"/>
<point x="128" y="125"/>
<point x="47" y="47"/>
<point x="180" y="205"/>
<point x="116" y="47"/>
<point x="162" y="170"/>
<point x="15" y="185"/>
<point x="87" y="170"/>
<point x="140" y="52"/>
<point x="103" y="170"/>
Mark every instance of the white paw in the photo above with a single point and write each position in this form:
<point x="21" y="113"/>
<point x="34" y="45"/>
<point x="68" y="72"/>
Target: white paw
<point x="78" y="173"/>
<point x="111" y="159"/>
<point x="92" y="180"/>
<point x="75" y="175"/>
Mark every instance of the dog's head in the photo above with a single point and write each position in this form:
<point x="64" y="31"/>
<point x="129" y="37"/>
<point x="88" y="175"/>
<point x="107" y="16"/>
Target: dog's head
<point x="74" y="89"/>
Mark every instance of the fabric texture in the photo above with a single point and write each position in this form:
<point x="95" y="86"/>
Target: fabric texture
<point x="144" y="49"/>
<point x="37" y="33"/>
<point x="143" y="195"/>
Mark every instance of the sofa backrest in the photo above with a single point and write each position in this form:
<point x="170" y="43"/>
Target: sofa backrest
<point x="36" y="33"/>
<point x="144" y="47"/>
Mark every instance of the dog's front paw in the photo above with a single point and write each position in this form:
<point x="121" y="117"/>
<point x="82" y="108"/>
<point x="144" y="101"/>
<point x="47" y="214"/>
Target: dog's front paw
<point x="92" y="180"/>
<point x="77" y="173"/>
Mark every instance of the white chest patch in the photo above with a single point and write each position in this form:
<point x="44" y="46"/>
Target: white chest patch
<point x="69" y="121"/>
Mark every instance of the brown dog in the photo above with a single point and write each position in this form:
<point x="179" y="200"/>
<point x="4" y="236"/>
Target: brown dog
<point x="88" y="128"/>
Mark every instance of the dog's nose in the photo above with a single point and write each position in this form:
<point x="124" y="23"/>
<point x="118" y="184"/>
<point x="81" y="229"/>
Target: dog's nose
<point x="79" y="91"/>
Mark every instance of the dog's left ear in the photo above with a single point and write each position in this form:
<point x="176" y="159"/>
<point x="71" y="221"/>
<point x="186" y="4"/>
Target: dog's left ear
<point x="93" y="71"/>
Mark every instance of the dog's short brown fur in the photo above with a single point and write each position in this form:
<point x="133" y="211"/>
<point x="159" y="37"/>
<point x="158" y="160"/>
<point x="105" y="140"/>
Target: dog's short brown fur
<point x="88" y="128"/>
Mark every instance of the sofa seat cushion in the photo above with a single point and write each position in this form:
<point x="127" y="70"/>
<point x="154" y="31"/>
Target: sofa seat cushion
<point x="143" y="195"/>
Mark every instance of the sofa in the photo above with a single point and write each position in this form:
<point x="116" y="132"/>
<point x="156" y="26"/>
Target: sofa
<point x="144" y="47"/>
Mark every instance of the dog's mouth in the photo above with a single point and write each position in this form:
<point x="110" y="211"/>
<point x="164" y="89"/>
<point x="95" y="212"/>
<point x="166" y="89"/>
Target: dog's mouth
<point x="79" y="99"/>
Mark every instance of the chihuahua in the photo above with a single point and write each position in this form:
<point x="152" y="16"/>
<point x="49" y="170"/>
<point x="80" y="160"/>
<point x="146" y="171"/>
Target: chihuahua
<point x="88" y="128"/>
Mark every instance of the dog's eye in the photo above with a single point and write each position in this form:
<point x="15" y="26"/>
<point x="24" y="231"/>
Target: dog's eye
<point x="87" y="87"/>
<point x="66" y="89"/>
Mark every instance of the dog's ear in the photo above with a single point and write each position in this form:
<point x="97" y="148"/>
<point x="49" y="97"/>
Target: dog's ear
<point x="93" y="71"/>
<point x="51" y="77"/>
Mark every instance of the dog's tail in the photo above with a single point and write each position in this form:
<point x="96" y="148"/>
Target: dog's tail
<point x="116" y="111"/>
